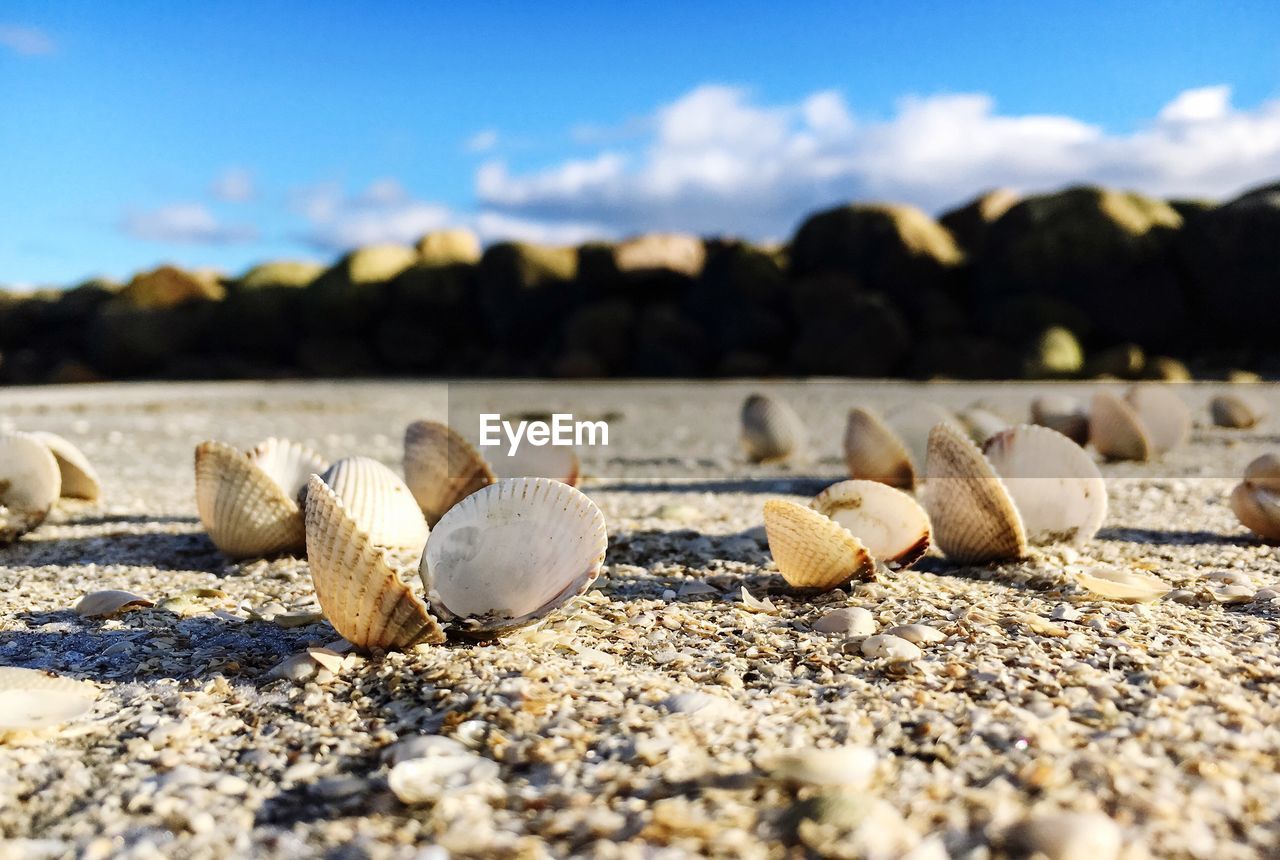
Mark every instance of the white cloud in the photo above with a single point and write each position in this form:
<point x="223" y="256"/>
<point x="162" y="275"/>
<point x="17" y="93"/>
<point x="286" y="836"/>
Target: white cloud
<point x="188" y="223"/>
<point x="717" y="161"/>
<point x="482" y="141"/>
<point x="383" y="212"/>
<point x="233" y="185"/>
<point x="27" y="41"/>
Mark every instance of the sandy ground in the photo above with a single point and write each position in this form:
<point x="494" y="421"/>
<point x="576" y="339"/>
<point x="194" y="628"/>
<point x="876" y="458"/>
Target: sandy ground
<point x="649" y="722"/>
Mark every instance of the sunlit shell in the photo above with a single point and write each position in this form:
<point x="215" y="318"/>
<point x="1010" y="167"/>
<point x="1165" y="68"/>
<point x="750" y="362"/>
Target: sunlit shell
<point x="245" y="511"/>
<point x="359" y="590"/>
<point x="1258" y="509"/>
<point x="771" y="430"/>
<point x="557" y="462"/>
<point x="811" y="549"/>
<point x="379" y="502"/>
<point x="1132" y="586"/>
<point x="1063" y="413"/>
<point x="441" y="468"/>
<point x="873" y="452"/>
<point x="1116" y="431"/>
<point x="287" y="463"/>
<point x="29" y="484"/>
<point x="79" y="479"/>
<point x="888" y="522"/>
<point x="31" y="700"/>
<point x="913" y="422"/>
<point x="1164" y="415"/>
<point x="511" y="553"/>
<point x="974" y="518"/>
<point x="1056" y="486"/>
<point x="1239" y="410"/>
<point x="981" y="424"/>
<point x="97" y="604"/>
<point x="1264" y="472"/>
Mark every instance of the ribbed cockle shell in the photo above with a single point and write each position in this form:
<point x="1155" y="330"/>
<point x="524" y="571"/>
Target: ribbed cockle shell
<point x="441" y="468"/>
<point x="811" y="549"/>
<point x="29" y="484"/>
<point x="974" y="518"/>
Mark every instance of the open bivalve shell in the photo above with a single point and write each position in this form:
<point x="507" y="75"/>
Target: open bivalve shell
<point x="889" y="523"/>
<point x="1164" y="416"/>
<point x="1063" y="413"/>
<point x="511" y="553"/>
<point x="812" y="550"/>
<point x="1057" y="488"/>
<point x="248" y="501"/>
<point x="441" y="468"/>
<point x="1256" y="500"/>
<point x="358" y="587"/>
<point x="771" y="430"/>
<point x="891" y="450"/>
<point x="1238" y="410"/>
<point x="379" y="502"/>
<point x="30" y="484"/>
<point x="79" y="479"/>
<point x="31" y="700"/>
<point x="975" y="520"/>
<point x="1116" y="431"/>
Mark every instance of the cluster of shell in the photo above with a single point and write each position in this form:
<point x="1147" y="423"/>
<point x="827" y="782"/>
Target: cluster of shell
<point x="493" y="554"/>
<point x="37" y="469"/>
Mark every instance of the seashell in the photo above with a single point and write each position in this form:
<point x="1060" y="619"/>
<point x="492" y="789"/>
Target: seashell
<point x="98" y="604"/>
<point x="1066" y="836"/>
<point x="1238" y="410"/>
<point x="1056" y="486"/>
<point x="811" y="549"/>
<point x="441" y="468"/>
<point x="1131" y="586"/>
<point x="529" y="461"/>
<point x="889" y="523"/>
<point x="513" y="552"/>
<point x="1063" y="413"/>
<point x="849" y="620"/>
<point x="247" y="500"/>
<point x="379" y="502"/>
<point x="981" y="424"/>
<point x="895" y="649"/>
<point x="917" y="634"/>
<point x="79" y="479"/>
<point x="30" y="483"/>
<point x="1264" y="472"/>
<point x="358" y="589"/>
<point x="1116" y="431"/>
<point x="849" y="767"/>
<point x="873" y="452"/>
<point x="771" y="430"/>
<point x="1163" y="415"/>
<point x="755" y="604"/>
<point x="1258" y="509"/>
<point x="31" y="700"/>
<point x="974" y="518"/>
<point x="443" y="773"/>
<point x="913" y="422"/>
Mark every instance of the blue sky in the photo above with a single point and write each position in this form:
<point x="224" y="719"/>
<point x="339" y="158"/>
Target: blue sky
<point x="133" y="133"/>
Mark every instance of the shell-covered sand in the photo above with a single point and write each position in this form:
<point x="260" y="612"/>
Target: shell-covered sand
<point x="663" y="717"/>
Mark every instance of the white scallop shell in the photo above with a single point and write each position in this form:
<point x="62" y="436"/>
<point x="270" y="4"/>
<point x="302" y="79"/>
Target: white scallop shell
<point x="873" y="452"/>
<point x="888" y="522"/>
<point x="246" y="512"/>
<point x="1116" y="431"/>
<point x="1056" y="486"/>
<point x="359" y="590"/>
<point x="379" y="502"/>
<point x="441" y="468"/>
<point x="30" y="484"/>
<point x="31" y="700"/>
<point x="811" y="549"/>
<point x="513" y="552"/>
<point x="771" y="430"/>
<point x="1063" y="413"/>
<point x="1238" y="410"/>
<point x="79" y="479"/>
<point x="1164" y="415"/>
<point x="287" y="463"/>
<point x="974" y="518"/>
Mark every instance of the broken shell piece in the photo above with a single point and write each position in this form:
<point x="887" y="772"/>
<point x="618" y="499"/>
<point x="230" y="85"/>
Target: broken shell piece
<point x="755" y="604"/>
<point x="441" y="468"/>
<point x="917" y="634"/>
<point x="974" y="518"/>
<point x="79" y="479"/>
<point x="1056" y="486"/>
<point x="1164" y="416"/>
<point x="30" y="484"/>
<point x="1063" y="413"/>
<point x="811" y="549"/>
<point x="873" y="452"/>
<point x="513" y="552"/>
<point x="981" y="424"/>
<point x="1238" y="410"/>
<point x="895" y="649"/>
<point x="1130" y="586"/>
<point x="1116" y="431"/>
<point x="360" y="592"/>
<point x="1258" y="509"/>
<point x="99" y="604"/>
<point x="850" y="767"/>
<point x="380" y="503"/>
<point x="849" y="620"/>
<point x="771" y="430"/>
<point x="529" y="461"/>
<point x="31" y="700"/>
<point x="247" y="501"/>
<point x="889" y="523"/>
